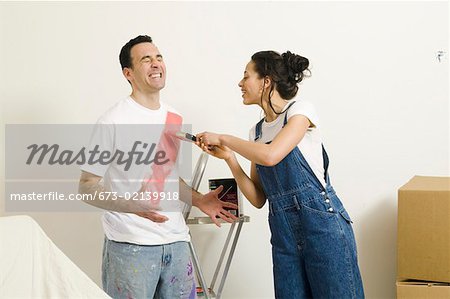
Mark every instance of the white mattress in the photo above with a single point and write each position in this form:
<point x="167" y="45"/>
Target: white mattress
<point x="31" y="266"/>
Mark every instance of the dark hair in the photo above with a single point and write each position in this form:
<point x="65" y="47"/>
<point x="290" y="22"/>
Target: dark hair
<point x="285" y="71"/>
<point x="125" y="56"/>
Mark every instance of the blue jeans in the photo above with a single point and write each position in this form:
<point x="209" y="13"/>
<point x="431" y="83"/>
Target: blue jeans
<point x="139" y="271"/>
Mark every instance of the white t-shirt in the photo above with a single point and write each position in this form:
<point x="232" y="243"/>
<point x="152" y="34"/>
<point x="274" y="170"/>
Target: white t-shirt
<point x="128" y="227"/>
<point x="310" y="145"/>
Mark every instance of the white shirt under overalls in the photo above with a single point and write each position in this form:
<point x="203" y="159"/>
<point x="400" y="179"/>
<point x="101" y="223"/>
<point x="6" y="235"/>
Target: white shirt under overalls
<point x="310" y="145"/>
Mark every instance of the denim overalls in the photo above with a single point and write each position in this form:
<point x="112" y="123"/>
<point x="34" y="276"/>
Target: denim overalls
<point x="313" y="245"/>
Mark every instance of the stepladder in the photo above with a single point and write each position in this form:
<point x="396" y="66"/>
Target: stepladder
<point x="215" y="288"/>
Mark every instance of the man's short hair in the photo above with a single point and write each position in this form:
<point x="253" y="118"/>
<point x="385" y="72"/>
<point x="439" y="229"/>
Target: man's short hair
<point x="125" y="56"/>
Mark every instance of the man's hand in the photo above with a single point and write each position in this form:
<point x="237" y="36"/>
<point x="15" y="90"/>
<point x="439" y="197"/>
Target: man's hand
<point x="152" y="205"/>
<point x="153" y="216"/>
<point x="211" y="205"/>
<point x="90" y="184"/>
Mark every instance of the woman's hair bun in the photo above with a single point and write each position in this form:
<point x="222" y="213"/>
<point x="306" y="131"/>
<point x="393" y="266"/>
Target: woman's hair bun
<point x="296" y="65"/>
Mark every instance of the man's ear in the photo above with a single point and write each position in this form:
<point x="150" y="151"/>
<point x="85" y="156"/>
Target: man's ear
<point x="127" y="73"/>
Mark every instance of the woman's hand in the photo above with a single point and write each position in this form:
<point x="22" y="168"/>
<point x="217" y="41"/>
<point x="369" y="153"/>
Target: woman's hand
<point x="210" y="144"/>
<point x="218" y="151"/>
<point x="208" y="138"/>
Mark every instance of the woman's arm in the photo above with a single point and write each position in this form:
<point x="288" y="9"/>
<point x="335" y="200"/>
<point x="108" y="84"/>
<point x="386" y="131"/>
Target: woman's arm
<point x="250" y="187"/>
<point x="263" y="154"/>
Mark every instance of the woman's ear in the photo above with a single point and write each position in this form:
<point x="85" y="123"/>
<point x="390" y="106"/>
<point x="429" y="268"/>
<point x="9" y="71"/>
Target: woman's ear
<point x="267" y="82"/>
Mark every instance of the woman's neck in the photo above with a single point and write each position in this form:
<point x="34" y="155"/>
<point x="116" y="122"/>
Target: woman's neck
<point x="278" y="105"/>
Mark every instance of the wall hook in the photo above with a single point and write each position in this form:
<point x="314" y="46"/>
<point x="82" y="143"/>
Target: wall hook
<point x="440" y="55"/>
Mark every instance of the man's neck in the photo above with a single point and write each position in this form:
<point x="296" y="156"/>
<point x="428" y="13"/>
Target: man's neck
<point x="148" y="100"/>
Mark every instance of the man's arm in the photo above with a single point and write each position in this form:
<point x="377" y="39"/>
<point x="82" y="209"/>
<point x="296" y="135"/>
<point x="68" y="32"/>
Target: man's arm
<point x="102" y="198"/>
<point x="209" y="203"/>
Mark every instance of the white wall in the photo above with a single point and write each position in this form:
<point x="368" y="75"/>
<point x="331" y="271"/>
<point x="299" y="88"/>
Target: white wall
<point x="376" y="82"/>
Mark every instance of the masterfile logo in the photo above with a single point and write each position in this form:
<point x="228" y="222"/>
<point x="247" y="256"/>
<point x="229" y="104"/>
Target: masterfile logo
<point x="52" y="155"/>
<point x="43" y="162"/>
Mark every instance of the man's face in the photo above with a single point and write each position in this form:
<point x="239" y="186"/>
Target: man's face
<point x="148" y="71"/>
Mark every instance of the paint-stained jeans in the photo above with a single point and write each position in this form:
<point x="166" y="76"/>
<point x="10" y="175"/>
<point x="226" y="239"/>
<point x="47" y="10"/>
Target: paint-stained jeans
<point x="136" y="271"/>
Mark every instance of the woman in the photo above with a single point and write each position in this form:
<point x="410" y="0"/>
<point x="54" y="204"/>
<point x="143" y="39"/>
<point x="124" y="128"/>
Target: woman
<point x="313" y="245"/>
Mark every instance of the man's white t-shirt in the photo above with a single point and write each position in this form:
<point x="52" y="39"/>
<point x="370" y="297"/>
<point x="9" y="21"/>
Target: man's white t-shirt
<point x="128" y="227"/>
<point x="311" y="144"/>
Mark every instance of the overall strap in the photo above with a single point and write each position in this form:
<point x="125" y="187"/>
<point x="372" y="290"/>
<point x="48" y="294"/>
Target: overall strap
<point x="285" y="113"/>
<point x="326" y="163"/>
<point x="258" y="129"/>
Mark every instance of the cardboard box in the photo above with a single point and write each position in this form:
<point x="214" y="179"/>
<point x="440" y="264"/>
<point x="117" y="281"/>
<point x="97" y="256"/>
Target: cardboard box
<point x="422" y="290"/>
<point x="230" y="193"/>
<point x="423" y="237"/>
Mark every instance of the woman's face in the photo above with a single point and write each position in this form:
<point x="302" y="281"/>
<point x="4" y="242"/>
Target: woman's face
<point x="251" y="85"/>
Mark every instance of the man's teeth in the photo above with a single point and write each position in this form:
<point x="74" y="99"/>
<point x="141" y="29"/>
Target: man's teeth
<point x="159" y="75"/>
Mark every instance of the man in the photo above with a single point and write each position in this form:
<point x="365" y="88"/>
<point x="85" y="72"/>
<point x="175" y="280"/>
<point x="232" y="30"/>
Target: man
<point x="145" y="253"/>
